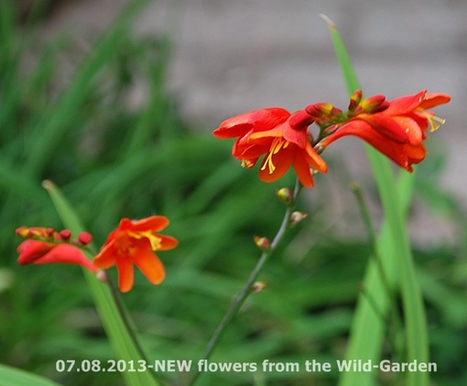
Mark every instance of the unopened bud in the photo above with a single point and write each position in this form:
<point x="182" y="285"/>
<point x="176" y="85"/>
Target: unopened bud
<point x="284" y="195"/>
<point x="329" y="130"/>
<point x="50" y="233"/>
<point x="84" y="238"/>
<point x="258" y="286"/>
<point x="65" y="234"/>
<point x="300" y="120"/>
<point x="355" y="99"/>
<point x="102" y="275"/>
<point x="319" y="148"/>
<point x="262" y="243"/>
<point x="22" y="232"/>
<point x="374" y="104"/>
<point x="296" y="218"/>
<point x="322" y="110"/>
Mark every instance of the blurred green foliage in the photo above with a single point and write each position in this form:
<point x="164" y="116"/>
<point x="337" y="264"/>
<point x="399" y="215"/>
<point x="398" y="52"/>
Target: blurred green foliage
<point x="115" y="159"/>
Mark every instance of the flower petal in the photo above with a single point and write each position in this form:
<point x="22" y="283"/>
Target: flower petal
<point x="66" y="254"/>
<point x="411" y="127"/>
<point x="111" y="236"/>
<point x="434" y="99"/>
<point x="415" y="154"/>
<point x="125" y="274"/>
<point x="315" y="160"/>
<point x="236" y="126"/>
<point x="262" y="137"/>
<point x="395" y="151"/>
<point x="405" y="104"/>
<point x="298" y="137"/>
<point x="254" y="151"/>
<point x="31" y="250"/>
<point x="386" y="125"/>
<point x="259" y="120"/>
<point x="167" y="242"/>
<point x="154" y="224"/>
<point x="150" y="265"/>
<point x="107" y="257"/>
<point x="302" y="169"/>
<point x="275" y="165"/>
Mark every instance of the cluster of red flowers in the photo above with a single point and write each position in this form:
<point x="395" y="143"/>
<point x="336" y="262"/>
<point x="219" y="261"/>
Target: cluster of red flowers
<point x="45" y="245"/>
<point x="396" y="128"/>
<point x="133" y="242"/>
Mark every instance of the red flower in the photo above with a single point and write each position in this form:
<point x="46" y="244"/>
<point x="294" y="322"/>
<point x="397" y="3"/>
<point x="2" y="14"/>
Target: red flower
<point x="399" y="130"/>
<point x="46" y="252"/>
<point x="133" y="242"/>
<point x="279" y="135"/>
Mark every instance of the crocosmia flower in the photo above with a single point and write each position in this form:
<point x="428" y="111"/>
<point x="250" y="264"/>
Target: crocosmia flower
<point x="45" y="246"/>
<point x="280" y="136"/>
<point x="399" y="130"/>
<point x="134" y="242"/>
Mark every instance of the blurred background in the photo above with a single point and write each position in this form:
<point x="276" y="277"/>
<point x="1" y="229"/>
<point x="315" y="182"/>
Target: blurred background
<point x="115" y="102"/>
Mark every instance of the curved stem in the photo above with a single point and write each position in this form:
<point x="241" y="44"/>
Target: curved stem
<point x="246" y="290"/>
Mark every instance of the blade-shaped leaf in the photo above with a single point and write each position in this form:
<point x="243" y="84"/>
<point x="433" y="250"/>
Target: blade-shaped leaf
<point x="394" y="248"/>
<point x="11" y="376"/>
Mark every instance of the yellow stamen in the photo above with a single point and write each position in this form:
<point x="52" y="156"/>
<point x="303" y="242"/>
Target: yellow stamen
<point x="277" y="144"/>
<point x="246" y="163"/>
<point x="153" y="239"/>
<point x="434" y="121"/>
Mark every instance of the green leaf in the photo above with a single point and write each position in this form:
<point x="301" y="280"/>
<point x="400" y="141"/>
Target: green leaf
<point x="395" y="252"/>
<point x="117" y="328"/>
<point x="56" y="121"/>
<point x="11" y="376"/>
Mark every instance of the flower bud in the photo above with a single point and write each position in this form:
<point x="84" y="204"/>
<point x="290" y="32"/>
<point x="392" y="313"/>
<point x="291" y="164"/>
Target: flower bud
<point x="84" y="238"/>
<point x="262" y="243"/>
<point x="322" y="110"/>
<point x="102" y="275"/>
<point x="296" y="218"/>
<point x="65" y="235"/>
<point x="300" y="120"/>
<point x="319" y="148"/>
<point x="22" y="232"/>
<point x="355" y="100"/>
<point x="329" y="130"/>
<point x="284" y="195"/>
<point x="50" y="233"/>
<point x="258" y="286"/>
<point x="374" y="104"/>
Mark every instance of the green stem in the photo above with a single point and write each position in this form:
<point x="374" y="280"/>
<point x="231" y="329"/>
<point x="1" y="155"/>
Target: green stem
<point x="123" y="315"/>
<point x="120" y="308"/>
<point x="246" y="290"/>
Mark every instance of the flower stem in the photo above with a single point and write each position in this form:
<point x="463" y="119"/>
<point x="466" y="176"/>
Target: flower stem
<point x="121" y="309"/>
<point x="246" y="290"/>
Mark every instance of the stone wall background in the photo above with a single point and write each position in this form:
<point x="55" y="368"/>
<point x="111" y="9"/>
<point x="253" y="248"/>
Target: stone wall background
<point x="230" y="57"/>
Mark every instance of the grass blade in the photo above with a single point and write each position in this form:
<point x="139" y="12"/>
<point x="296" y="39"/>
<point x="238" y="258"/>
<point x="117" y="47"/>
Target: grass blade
<point x="57" y="121"/>
<point x="11" y="376"/>
<point x="397" y="238"/>
<point x="115" y="327"/>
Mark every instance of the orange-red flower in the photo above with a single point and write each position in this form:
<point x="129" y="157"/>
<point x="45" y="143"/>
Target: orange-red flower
<point x="279" y="135"/>
<point x="133" y="242"/>
<point x="399" y="130"/>
<point x="45" y="246"/>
